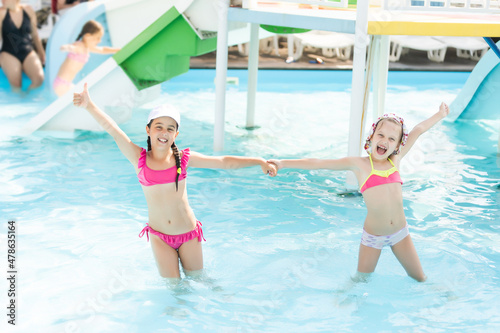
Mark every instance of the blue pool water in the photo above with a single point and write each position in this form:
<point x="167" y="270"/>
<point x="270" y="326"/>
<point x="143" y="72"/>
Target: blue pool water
<point x="280" y="252"/>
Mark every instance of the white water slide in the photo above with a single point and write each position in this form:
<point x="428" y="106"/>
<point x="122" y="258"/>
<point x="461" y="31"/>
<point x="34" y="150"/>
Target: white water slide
<point x="129" y="24"/>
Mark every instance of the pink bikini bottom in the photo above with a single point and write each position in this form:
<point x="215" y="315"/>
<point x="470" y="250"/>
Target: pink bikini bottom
<point x="175" y="241"/>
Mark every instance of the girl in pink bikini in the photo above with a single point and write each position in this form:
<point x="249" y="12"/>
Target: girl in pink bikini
<point x="78" y="55"/>
<point x="173" y="230"/>
<point x="385" y="223"/>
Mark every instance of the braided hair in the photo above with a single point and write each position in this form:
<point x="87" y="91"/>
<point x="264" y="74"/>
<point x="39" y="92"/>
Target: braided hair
<point x="177" y="156"/>
<point x="91" y="27"/>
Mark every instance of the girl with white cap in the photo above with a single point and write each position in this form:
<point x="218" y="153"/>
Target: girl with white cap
<point x="385" y="223"/>
<point x="174" y="231"/>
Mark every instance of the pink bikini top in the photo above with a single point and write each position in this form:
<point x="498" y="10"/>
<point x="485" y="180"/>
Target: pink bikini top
<point x="149" y="177"/>
<point x="380" y="177"/>
<point x="80" y="57"/>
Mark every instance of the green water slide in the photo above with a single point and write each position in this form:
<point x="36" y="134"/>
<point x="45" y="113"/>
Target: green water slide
<point x="162" y="51"/>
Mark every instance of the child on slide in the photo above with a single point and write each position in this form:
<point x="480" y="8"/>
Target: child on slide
<point x="173" y="229"/>
<point x="385" y="222"/>
<point x="78" y="55"/>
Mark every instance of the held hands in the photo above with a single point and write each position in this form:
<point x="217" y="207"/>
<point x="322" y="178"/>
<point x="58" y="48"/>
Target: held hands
<point x="277" y="165"/>
<point x="82" y="99"/>
<point x="269" y="169"/>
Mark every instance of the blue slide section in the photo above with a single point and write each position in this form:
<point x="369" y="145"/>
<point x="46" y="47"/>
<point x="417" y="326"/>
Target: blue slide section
<point x="480" y="96"/>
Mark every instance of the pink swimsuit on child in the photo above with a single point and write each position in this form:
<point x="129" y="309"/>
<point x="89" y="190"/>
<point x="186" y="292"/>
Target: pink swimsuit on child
<point x="79" y="57"/>
<point x="377" y="178"/>
<point x="150" y="177"/>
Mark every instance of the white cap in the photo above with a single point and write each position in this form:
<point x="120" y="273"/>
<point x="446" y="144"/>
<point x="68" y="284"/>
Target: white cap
<point x="165" y="110"/>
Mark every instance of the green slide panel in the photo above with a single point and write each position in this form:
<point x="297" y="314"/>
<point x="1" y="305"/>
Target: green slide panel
<point x="162" y="51"/>
<point x="282" y="30"/>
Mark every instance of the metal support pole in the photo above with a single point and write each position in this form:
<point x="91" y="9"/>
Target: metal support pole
<point x="371" y="65"/>
<point x="375" y="44"/>
<point x="356" y="120"/>
<point x="220" y="75"/>
<point x="380" y="75"/>
<point x="253" y="67"/>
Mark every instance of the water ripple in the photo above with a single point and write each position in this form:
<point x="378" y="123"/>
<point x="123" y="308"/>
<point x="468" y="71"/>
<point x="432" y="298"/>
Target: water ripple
<point x="280" y="251"/>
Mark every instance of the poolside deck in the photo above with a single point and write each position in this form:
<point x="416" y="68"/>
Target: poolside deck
<point x="390" y="21"/>
<point x="413" y="61"/>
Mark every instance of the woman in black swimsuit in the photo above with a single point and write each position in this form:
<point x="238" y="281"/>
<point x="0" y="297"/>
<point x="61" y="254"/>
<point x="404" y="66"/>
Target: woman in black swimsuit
<point x="19" y="34"/>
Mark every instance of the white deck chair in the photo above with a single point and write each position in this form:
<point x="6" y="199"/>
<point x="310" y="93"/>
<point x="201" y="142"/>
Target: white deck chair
<point x="467" y="47"/>
<point x="436" y="50"/>
<point x="331" y="43"/>
<point x="266" y="45"/>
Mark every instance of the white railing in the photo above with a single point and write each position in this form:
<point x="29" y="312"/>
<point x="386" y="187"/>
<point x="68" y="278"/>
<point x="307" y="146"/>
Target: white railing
<point x="491" y="6"/>
<point x="326" y="3"/>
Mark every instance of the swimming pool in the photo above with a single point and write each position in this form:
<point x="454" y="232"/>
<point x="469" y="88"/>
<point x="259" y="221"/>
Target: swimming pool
<point x="279" y="252"/>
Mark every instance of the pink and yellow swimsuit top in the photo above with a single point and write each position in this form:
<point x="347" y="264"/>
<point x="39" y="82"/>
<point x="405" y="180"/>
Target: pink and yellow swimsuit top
<point x="380" y="177"/>
<point x="149" y="177"/>
<point x="79" y="57"/>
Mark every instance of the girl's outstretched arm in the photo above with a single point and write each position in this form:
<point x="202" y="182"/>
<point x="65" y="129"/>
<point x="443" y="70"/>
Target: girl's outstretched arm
<point x="131" y="151"/>
<point x="198" y="160"/>
<point x="423" y="127"/>
<point x="346" y="163"/>
<point x="104" y="50"/>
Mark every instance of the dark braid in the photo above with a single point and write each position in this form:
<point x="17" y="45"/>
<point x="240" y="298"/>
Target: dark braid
<point x="149" y="139"/>
<point x="177" y="156"/>
<point x="177" y="164"/>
